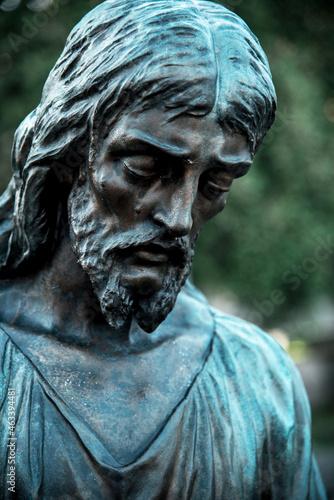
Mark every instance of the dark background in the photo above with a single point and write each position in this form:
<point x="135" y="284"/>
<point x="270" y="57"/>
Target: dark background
<point x="269" y="256"/>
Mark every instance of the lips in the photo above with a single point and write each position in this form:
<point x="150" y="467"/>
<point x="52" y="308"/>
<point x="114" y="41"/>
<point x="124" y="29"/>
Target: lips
<point x="146" y="255"/>
<point x="154" y="254"/>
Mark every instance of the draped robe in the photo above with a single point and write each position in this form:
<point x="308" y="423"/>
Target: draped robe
<point x="241" y="430"/>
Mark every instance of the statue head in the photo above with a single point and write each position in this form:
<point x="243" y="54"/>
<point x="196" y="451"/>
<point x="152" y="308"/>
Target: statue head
<point x="150" y="113"/>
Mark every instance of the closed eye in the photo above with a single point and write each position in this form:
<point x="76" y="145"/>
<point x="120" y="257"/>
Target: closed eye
<point x="214" y="183"/>
<point x="140" y="166"/>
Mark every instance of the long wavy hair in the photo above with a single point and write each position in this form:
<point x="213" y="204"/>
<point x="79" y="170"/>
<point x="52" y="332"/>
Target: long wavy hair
<point x="154" y="52"/>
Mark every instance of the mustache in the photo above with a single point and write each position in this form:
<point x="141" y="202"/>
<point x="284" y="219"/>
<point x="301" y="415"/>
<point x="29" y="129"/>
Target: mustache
<point x="178" y="248"/>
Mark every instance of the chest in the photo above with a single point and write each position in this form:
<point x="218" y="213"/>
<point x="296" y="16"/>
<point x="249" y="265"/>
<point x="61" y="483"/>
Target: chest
<point x="126" y="402"/>
<point x="191" y="457"/>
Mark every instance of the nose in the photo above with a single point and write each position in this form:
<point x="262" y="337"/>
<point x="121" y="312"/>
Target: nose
<point x="174" y="211"/>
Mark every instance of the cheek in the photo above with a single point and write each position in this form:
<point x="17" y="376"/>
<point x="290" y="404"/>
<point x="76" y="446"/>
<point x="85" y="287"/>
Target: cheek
<point x="113" y="192"/>
<point x="204" y="210"/>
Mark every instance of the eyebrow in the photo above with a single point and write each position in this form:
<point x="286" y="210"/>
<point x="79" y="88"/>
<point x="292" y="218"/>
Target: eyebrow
<point x="135" y="143"/>
<point x="237" y="168"/>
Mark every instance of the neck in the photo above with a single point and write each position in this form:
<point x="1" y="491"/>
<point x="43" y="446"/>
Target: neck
<point x="59" y="300"/>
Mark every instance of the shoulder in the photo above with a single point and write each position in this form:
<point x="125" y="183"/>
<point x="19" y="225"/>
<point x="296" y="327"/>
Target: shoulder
<point x="243" y="337"/>
<point x="248" y="341"/>
<point x="250" y="346"/>
<point x="265" y="370"/>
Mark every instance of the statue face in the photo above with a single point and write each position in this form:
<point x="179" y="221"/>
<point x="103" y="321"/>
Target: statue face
<point x="155" y="181"/>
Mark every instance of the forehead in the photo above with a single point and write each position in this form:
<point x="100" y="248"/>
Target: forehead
<point x="183" y="105"/>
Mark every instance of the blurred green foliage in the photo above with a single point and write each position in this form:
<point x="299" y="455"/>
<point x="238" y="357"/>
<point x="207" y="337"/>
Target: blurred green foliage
<point x="277" y="213"/>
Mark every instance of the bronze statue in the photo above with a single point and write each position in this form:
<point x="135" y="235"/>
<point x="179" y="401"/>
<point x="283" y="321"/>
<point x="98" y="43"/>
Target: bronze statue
<point x="118" y="380"/>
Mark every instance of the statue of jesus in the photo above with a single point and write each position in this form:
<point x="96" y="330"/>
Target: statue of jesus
<point x="117" y="379"/>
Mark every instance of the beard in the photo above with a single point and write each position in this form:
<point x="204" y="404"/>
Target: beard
<point x="100" y="249"/>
